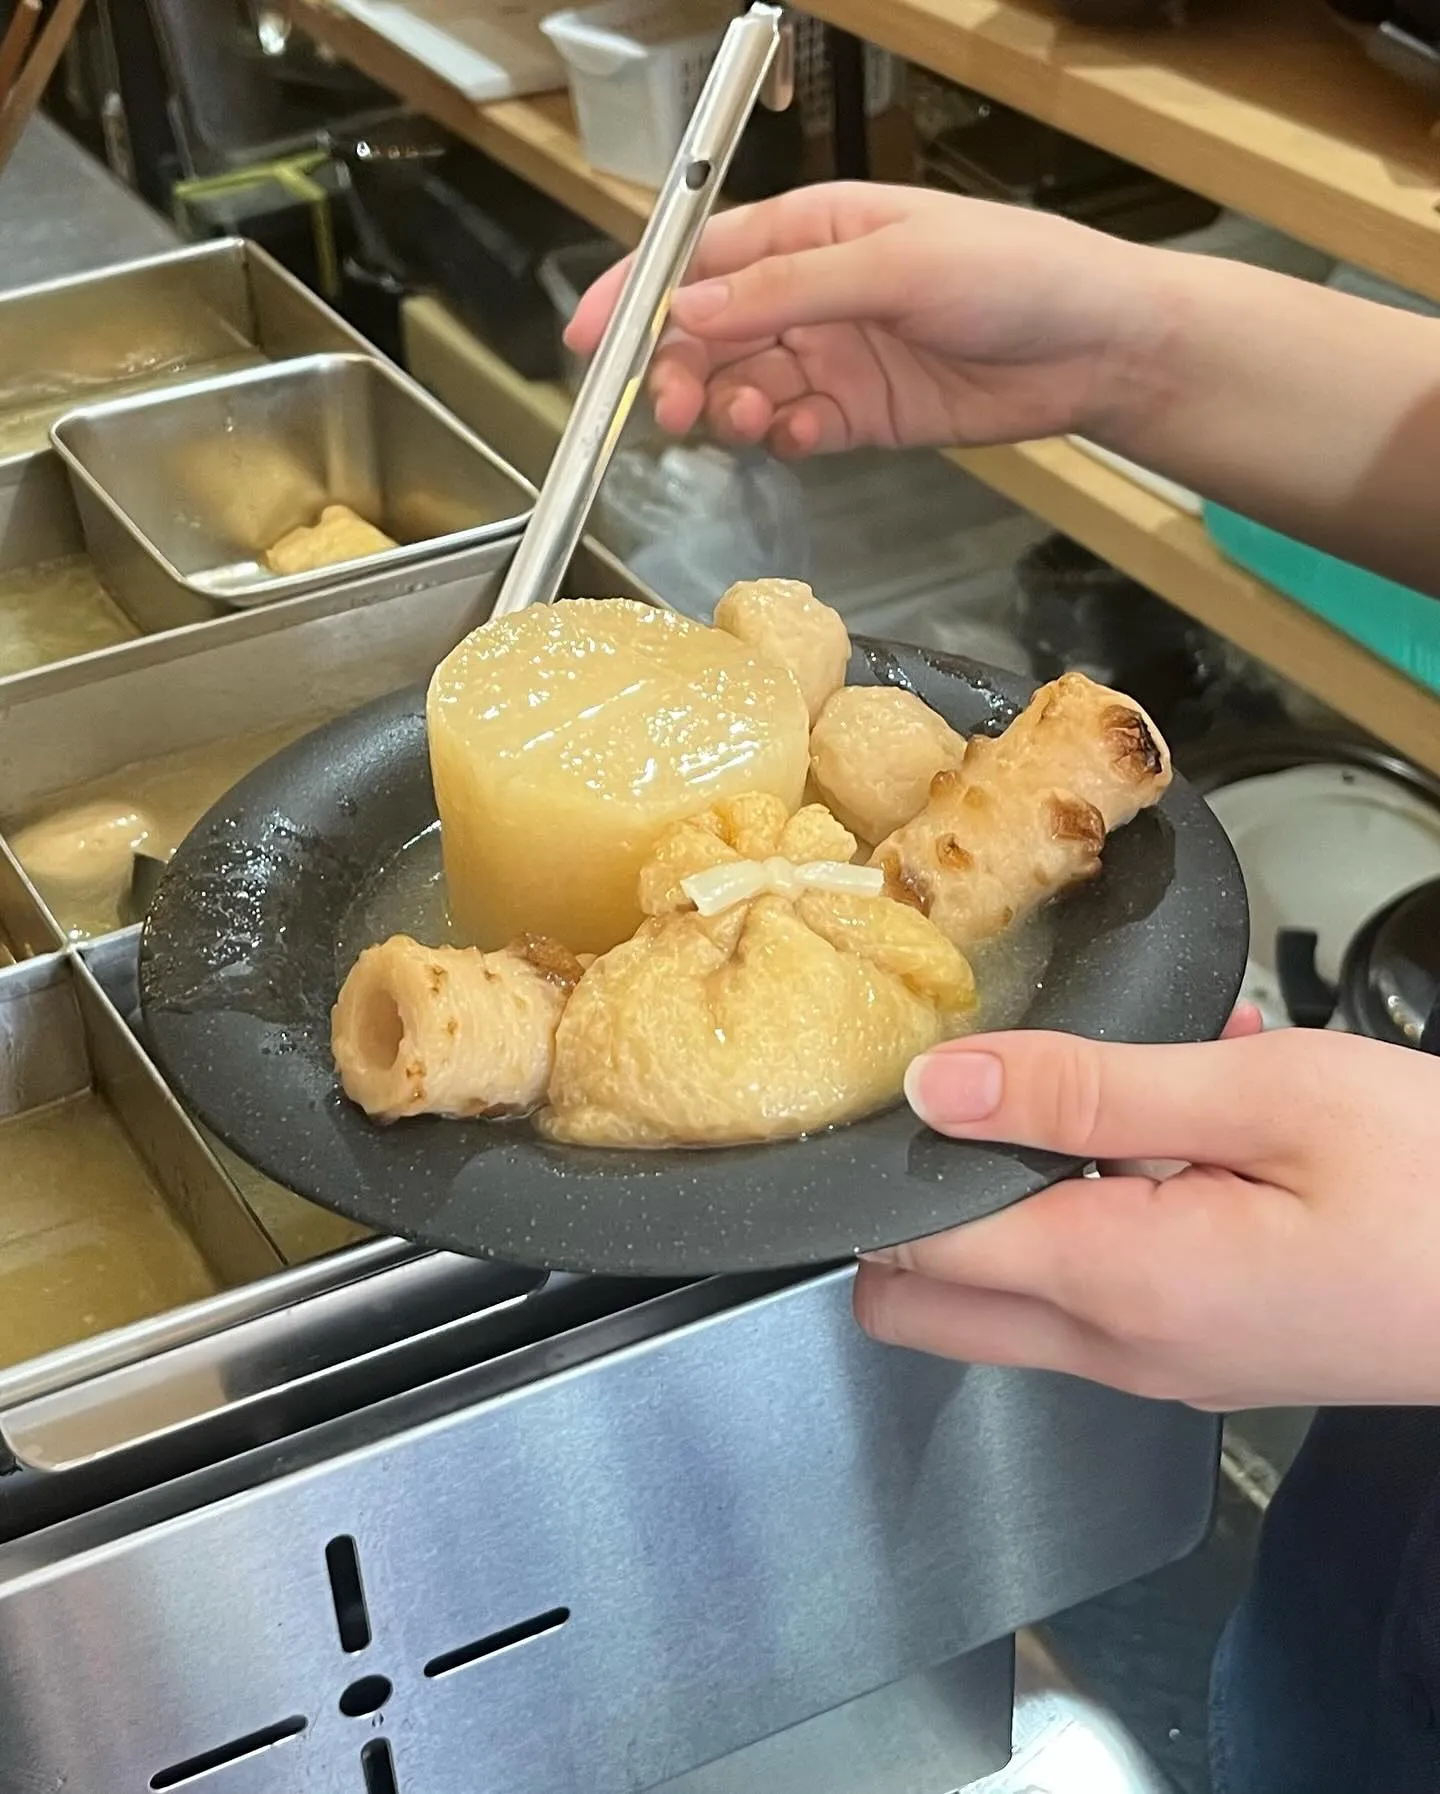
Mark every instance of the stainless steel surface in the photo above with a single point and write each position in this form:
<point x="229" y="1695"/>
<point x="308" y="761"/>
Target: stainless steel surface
<point x="76" y="723"/>
<point x="172" y="317"/>
<point x="310" y="1328"/>
<point x="25" y="927"/>
<point x="145" y="876"/>
<point x="476" y="569"/>
<point x="39" y="521"/>
<point x="231" y="1240"/>
<point x="38" y="518"/>
<point x="62" y="214"/>
<point x="926" y="1735"/>
<point x="614" y="1570"/>
<point x="608" y="391"/>
<point x="182" y="492"/>
<point x="932" y="1733"/>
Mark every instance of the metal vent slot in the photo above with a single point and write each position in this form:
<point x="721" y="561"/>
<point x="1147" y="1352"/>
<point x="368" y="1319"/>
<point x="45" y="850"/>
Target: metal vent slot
<point x="377" y="1762"/>
<point x="449" y="1661"/>
<point x="178" y="1775"/>
<point x="366" y="1696"/>
<point x="352" y="1616"/>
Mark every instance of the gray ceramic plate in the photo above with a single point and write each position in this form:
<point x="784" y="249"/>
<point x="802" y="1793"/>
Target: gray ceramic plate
<point x="238" y="975"/>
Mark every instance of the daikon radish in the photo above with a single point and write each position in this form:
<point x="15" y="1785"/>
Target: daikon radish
<point x="565" y="739"/>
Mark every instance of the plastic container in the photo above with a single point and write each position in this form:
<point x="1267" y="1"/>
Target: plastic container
<point x="1399" y="625"/>
<point x="636" y="68"/>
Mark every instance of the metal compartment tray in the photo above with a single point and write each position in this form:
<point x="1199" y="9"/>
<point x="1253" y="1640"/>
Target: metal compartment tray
<point x="64" y="728"/>
<point x="40" y="524"/>
<point x="64" y="1044"/>
<point x="151" y="323"/>
<point x="72" y="724"/>
<point x="182" y="492"/>
<point x="67" y="728"/>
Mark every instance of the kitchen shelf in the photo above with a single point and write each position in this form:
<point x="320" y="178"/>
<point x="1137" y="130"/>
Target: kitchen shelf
<point x="1146" y="98"/>
<point x="1268" y="107"/>
<point x="1168" y="549"/>
<point x="534" y="138"/>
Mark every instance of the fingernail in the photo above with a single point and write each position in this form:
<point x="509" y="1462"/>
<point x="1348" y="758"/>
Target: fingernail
<point x="882" y="1255"/>
<point x="696" y="304"/>
<point x="951" y="1089"/>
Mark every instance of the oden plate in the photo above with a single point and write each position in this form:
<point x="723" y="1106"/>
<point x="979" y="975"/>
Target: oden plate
<point x="238" y="977"/>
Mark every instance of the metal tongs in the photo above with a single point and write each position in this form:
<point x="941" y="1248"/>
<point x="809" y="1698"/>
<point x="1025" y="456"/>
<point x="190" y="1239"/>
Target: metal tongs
<point x="749" y="67"/>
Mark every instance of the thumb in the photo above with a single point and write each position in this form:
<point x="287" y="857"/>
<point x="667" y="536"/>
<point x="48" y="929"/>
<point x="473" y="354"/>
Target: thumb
<point x="839" y="282"/>
<point x="1216" y="1103"/>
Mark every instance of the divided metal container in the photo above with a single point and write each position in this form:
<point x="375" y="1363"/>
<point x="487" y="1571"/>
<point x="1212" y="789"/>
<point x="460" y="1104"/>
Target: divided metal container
<point x="61" y="1040"/>
<point x="64" y="726"/>
<point x="262" y="398"/>
<point x="147" y="324"/>
<point x="181" y="493"/>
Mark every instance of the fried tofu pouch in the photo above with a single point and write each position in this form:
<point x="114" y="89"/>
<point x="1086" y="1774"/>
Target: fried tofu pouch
<point x="776" y="1017"/>
<point x="1025" y="815"/>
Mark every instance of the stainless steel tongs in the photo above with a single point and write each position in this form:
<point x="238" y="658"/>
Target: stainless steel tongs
<point x="749" y="67"/>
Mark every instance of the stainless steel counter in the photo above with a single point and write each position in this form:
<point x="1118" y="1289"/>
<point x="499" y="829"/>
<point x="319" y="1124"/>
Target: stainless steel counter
<point x="62" y="213"/>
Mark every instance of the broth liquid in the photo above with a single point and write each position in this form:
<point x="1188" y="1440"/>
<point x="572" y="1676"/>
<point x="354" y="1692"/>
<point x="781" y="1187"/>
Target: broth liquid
<point x="55" y="610"/>
<point x="87" y="1241"/>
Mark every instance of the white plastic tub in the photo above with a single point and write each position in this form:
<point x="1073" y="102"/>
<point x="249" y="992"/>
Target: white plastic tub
<point x="636" y="68"/>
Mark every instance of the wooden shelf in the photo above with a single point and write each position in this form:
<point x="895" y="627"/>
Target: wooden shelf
<point x="1169" y="550"/>
<point x="1267" y="106"/>
<point x="1270" y="108"/>
<point x="1212" y="123"/>
<point x="534" y="138"/>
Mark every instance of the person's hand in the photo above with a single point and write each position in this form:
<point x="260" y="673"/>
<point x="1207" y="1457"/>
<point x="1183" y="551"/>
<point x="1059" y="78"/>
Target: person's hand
<point x="1295" y="1262"/>
<point x="844" y="315"/>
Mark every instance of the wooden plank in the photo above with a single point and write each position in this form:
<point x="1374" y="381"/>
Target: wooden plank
<point x="1169" y="551"/>
<point x="1267" y="106"/>
<point x="535" y="137"/>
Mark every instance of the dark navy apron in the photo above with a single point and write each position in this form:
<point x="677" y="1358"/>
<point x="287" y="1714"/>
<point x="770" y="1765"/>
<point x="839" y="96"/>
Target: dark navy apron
<point x="1328" y="1679"/>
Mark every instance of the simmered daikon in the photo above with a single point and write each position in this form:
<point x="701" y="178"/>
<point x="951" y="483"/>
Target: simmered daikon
<point x="564" y="739"/>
